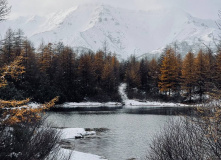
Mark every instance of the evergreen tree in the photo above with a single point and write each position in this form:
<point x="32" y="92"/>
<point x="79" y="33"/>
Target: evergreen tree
<point x="154" y="72"/>
<point x="132" y="72"/>
<point x="210" y="69"/>
<point x="200" y="73"/>
<point x="7" y="52"/>
<point x="188" y="74"/>
<point x="98" y="66"/>
<point x="144" y="75"/>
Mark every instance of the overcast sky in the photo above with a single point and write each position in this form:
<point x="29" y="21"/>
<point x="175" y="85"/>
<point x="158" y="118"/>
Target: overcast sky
<point x="198" y="8"/>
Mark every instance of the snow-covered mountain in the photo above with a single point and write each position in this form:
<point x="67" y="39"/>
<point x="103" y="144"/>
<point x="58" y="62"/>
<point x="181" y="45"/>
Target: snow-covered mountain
<point x="125" y="31"/>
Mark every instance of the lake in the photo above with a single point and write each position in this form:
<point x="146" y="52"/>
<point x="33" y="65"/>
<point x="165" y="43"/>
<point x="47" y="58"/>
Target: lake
<point x="129" y="135"/>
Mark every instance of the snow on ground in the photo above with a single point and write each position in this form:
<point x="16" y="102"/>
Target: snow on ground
<point x="68" y="133"/>
<point x="137" y="104"/>
<point x="122" y="92"/>
<point x="34" y="104"/>
<point x="71" y="133"/>
<point x="90" y="104"/>
<point x="75" y="155"/>
<point x="130" y="103"/>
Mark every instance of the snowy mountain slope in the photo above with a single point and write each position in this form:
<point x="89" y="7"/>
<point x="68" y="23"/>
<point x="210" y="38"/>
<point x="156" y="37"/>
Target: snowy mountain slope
<point x="125" y="31"/>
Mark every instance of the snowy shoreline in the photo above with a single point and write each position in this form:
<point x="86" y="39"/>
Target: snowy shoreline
<point x="126" y="103"/>
<point x="75" y="133"/>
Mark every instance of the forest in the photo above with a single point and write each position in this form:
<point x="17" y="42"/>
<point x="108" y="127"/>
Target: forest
<point x="56" y="70"/>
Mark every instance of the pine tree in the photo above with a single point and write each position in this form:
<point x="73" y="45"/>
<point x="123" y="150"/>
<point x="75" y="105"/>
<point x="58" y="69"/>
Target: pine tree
<point x="154" y="72"/>
<point x="200" y="73"/>
<point x="18" y="42"/>
<point x="188" y="74"/>
<point x="210" y="69"/>
<point x="132" y="72"/>
<point x="145" y="78"/>
<point x="86" y="74"/>
<point x="66" y="75"/>
<point x="98" y="66"/>
<point x="8" y="55"/>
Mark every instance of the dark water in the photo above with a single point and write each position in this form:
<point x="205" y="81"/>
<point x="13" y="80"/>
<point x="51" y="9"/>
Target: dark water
<point x="129" y="135"/>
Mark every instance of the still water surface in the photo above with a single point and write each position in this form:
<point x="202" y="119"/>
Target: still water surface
<point x="129" y="135"/>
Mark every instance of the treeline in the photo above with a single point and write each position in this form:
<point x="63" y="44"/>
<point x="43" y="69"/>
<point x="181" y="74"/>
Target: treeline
<point x="56" y="70"/>
<point x="171" y="77"/>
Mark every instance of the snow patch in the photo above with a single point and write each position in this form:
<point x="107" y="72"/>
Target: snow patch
<point x="71" y="133"/>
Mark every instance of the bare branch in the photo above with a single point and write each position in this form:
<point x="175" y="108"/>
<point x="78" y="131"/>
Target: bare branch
<point x="4" y="9"/>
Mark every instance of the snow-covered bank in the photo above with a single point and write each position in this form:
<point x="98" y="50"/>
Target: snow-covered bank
<point x="73" y="133"/>
<point x="127" y="103"/>
<point x="76" y="155"/>
<point x="146" y="104"/>
<point x="68" y="133"/>
<point x="130" y="103"/>
<point x="89" y="104"/>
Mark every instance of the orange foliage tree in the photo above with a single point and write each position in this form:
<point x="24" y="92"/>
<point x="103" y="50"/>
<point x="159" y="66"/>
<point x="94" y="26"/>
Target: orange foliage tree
<point x="14" y="111"/>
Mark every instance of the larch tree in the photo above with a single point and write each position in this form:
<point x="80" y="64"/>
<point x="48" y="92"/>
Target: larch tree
<point x="169" y="73"/>
<point x="18" y="111"/>
<point x="110" y="73"/>
<point x="46" y="59"/>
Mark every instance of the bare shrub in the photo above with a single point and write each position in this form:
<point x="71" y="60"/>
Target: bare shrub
<point x="29" y="141"/>
<point x="190" y="138"/>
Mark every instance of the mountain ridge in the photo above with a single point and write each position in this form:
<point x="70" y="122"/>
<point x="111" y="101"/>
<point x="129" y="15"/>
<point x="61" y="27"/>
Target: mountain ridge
<point x="125" y="31"/>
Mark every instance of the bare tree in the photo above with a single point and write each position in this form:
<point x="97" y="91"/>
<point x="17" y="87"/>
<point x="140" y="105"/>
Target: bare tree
<point x="4" y="9"/>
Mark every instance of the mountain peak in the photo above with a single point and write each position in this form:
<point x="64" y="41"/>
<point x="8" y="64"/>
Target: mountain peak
<point x="125" y="31"/>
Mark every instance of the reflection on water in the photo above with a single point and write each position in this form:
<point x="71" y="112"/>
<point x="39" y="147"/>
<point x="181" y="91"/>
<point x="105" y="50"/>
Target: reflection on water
<point x="128" y="137"/>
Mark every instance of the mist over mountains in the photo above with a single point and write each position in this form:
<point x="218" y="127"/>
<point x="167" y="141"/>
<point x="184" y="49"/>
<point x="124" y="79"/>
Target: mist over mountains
<point x="124" y="31"/>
